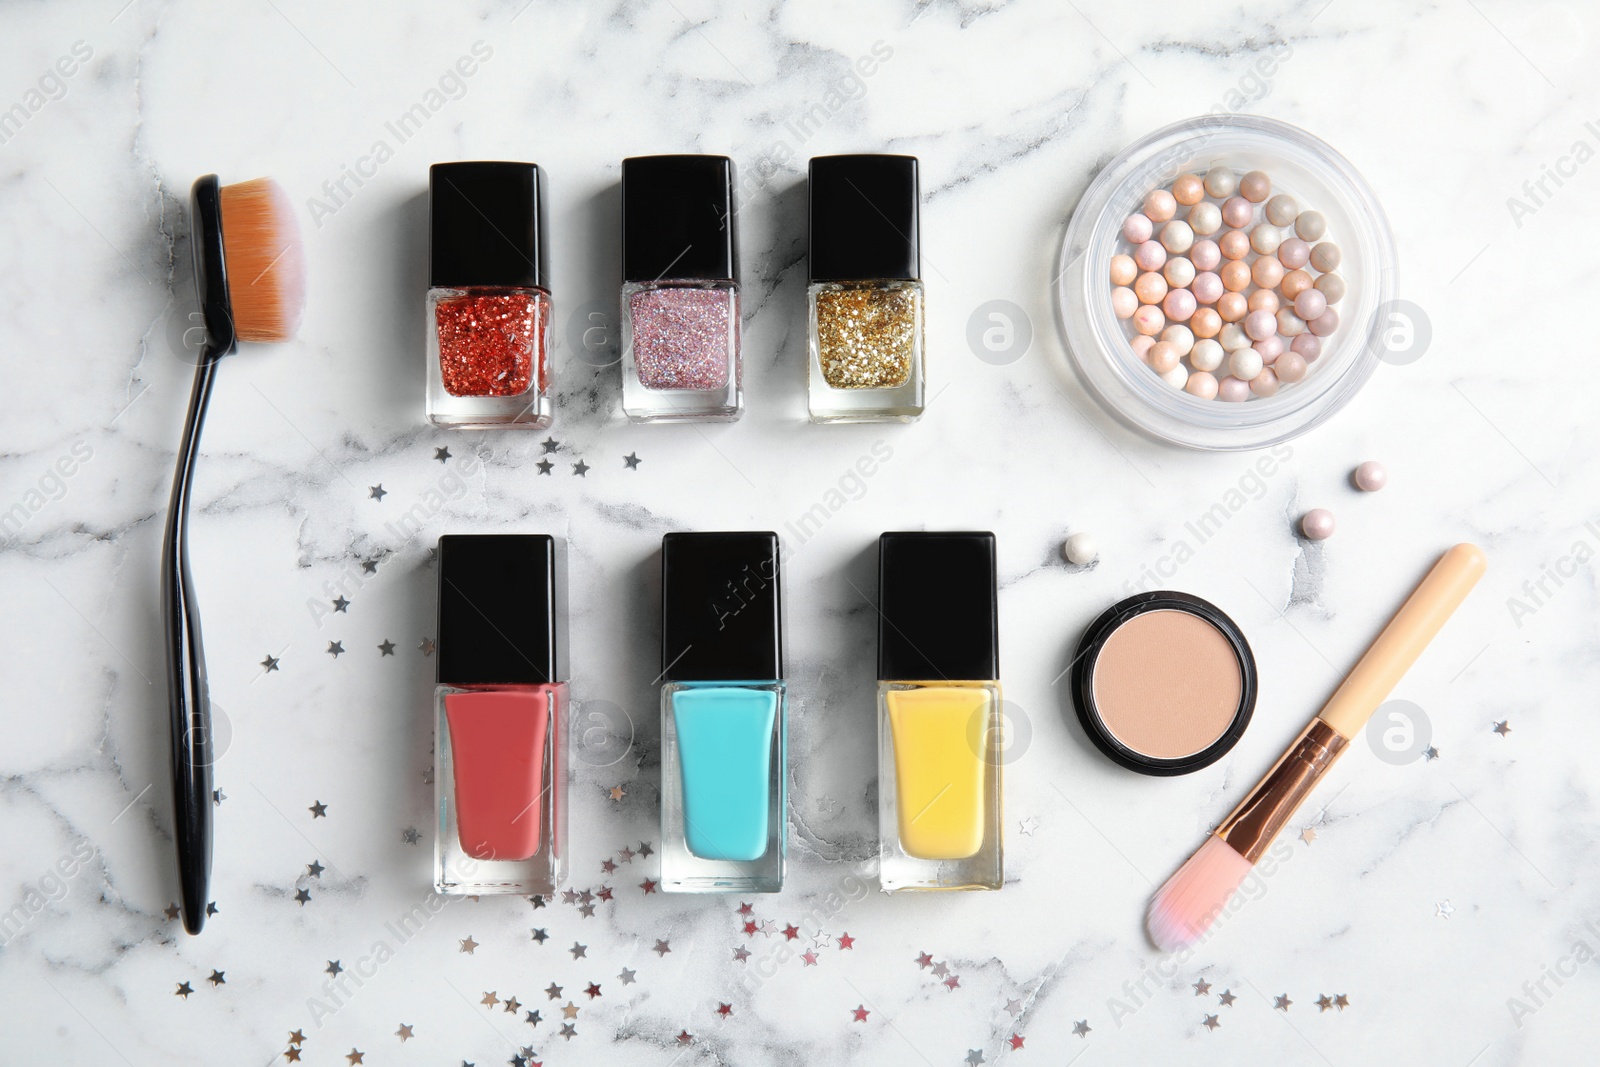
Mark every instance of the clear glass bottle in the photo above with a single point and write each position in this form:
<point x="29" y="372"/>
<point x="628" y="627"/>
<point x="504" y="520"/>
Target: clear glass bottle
<point x="724" y="714"/>
<point x="500" y="710"/>
<point x="488" y="303"/>
<point x="940" y="788"/>
<point x="680" y="290"/>
<point x="865" y="303"/>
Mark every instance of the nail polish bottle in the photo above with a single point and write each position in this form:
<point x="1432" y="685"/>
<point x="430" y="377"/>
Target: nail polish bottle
<point x="724" y="714"/>
<point x="939" y="713"/>
<point x="865" y="297"/>
<point x="500" y="776"/>
<point x="488" y="297"/>
<point x="680" y="290"/>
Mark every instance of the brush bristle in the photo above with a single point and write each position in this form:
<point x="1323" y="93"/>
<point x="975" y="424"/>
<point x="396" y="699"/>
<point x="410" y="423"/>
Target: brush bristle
<point x="1185" y="907"/>
<point x="266" y="266"/>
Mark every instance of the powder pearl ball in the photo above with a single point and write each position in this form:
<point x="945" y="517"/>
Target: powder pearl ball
<point x="1325" y="257"/>
<point x="1264" y="300"/>
<point x="1317" y="524"/>
<point x="1370" y="476"/>
<point x="1235" y="244"/>
<point x="1221" y="182"/>
<point x="1205" y="218"/>
<point x="1244" y="364"/>
<point x="1178" y="272"/>
<point x="1207" y="287"/>
<point x="1205" y="322"/>
<point x="1237" y="212"/>
<point x="1265" y="239"/>
<point x="1265" y="383"/>
<point x="1177" y="236"/>
<point x="1259" y="324"/>
<point x="1141" y="346"/>
<point x="1179" y="337"/>
<point x="1160" y="206"/>
<point x="1232" y="307"/>
<point x="1267" y="272"/>
<point x="1308" y="346"/>
<point x="1289" y="324"/>
<point x="1123" y="270"/>
<point x="1235" y="275"/>
<point x="1290" y="368"/>
<point x="1202" y="384"/>
<point x="1332" y="287"/>
<point x="1124" y="302"/>
<point x="1206" y="355"/>
<point x="1080" y="549"/>
<point x="1137" y="228"/>
<point x="1324" y="324"/>
<point x="1294" y="253"/>
<point x="1310" y="225"/>
<point x="1270" y="348"/>
<point x="1148" y="320"/>
<point x="1310" y="304"/>
<point x="1205" y="255"/>
<point x="1294" y="283"/>
<point x="1150" y="288"/>
<point x="1188" y="189"/>
<point x="1255" y="186"/>
<point x="1281" y="209"/>
<point x="1232" y="336"/>
<point x="1150" y="256"/>
<point x="1162" y="357"/>
<point x="1177" y="377"/>
<point x="1179" y="305"/>
<point x="1233" y="390"/>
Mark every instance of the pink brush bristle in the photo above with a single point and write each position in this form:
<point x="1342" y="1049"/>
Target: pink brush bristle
<point x="1185" y="907"/>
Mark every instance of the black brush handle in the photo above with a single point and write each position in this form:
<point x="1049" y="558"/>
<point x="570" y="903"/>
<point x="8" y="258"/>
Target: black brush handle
<point x="187" y="697"/>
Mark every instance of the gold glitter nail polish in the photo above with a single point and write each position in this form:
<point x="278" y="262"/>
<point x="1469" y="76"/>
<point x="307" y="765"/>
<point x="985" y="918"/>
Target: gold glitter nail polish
<point x="865" y="296"/>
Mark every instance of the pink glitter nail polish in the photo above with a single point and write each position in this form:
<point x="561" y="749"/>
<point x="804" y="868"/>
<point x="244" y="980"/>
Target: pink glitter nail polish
<point x="680" y="290"/>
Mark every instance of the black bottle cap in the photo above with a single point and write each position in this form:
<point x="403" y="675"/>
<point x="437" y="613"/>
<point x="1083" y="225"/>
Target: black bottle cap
<point x="502" y="609"/>
<point x="721" y="607"/>
<point x="863" y="212"/>
<point x="937" y="619"/>
<point x="486" y="226"/>
<point x="678" y="219"/>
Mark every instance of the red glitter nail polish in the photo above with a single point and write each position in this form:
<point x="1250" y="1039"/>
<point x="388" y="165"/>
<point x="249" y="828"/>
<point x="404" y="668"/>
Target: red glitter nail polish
<point x="488" y="297"/>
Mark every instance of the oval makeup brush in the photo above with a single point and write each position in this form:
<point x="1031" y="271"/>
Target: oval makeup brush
<point x="1186" y="906"/>
<point x="250" y="273"/>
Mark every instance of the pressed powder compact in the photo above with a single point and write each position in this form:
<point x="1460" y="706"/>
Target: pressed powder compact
<point x="1164" y="683"/>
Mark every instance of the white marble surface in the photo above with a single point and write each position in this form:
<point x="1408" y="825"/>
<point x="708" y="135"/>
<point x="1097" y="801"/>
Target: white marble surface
<point x="1432" y="891"/>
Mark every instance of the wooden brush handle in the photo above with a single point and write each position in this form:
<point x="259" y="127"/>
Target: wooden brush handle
<point x="1403" y="640"/>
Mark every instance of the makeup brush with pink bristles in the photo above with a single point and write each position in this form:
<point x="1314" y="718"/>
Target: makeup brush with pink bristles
<point x="1186" y="906"/>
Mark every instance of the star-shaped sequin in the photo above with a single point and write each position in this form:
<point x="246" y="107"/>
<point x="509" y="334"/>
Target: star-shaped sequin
<point x="269" y="664"/>
<point x="303" y="896"/>
<point x="627" y="976"/>
<point x="1309" y="834"/>
<point x="404" y="1033"/>
<point x="1503" y="728"/>
<point x="218" y="796"/>
<point x="617" y="792"/>
<point x="532" y="1018"/>
<point x="512" y="1006"/>
<point x="578" y="951"/>
<point x="1444" y="909"/>
<point x="569" y="1031"/>
<point x="632" y="461"/>
<point x="489" y="999"/>
<point x="1014" y="1007"/>
<point x="1081" y="1028"/>
<point x="355" y="1056"/>
<point x="592" y="989"/>
<point x="545" y="466"/>
<point x="183" y="990"/>
<point x="211" y="908"/>
<point x="1341" y="1002"/>
<point x="318" y="810"/>
<point x="941" y="969"/>
<point x="411" y="835"/>
<point x="684" y="1037"/>
<point x="859" y="1013"/>
<point x="626" y="854"/>
<point x="426" y="646"/>
<point x="342" y="605"/>
<point x="608" y="866"/>
<point x="550" y="445"/>
<point x="846" y="941"/>
<point x="724" y="1010"/>
<point x="662" y="947"/>
<point x="315" y="869"/>
<point x="645" y="850"/>
<point x="924" y="961"/>
<point x="291" y="1054"/>
<point x="442" y="453"/>
<point x="334" y="967"/>
<point x="297" y="1037"/>
<point x="377" y="492"/>
<point x="369" y="566"/>
<point x="580" y="469"/>
<point x="553" y="991"/>
<point x="1281" y="1003"/>
<point x="216" y="977"/>
<point x="335" y="649"/>
<point x="539" y="934"/>
<point x="569" y="1010"/>
<point x="1028" y="826"/>
<point x="809" y="957"/>
<point x="468" y="945"/>
<point x="975" y="1057"/>
<point x="1227" y="998"/>
<point x="172" y="911"/>
<point x="953" y="982"/>
<point x="1430" y="753"/>
<point x="1211" y="1022"/>
<point x="1202" y="988"/>
<point x="387" y="648"/>
<point x="1324" y="1003"/>
<point x="1015" y="1041"/>
<point x="648" y="885"/>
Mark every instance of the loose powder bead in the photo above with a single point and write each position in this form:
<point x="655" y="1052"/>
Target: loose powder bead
<point x="1294" y="283"/>
<point x="1317" y="524"/>
<point x="1150" y="288"/>
<point x="1294" y="253"/>
<point x="1265" y="239"/>
<point x="1162" y="357"/>
<point x="1255" y="186"/>
<point x="1206" y="355"/>
<point x="1187" y="189"/>
<point x="1178" y="272"/>
<point x="1232" y="307"/>
<point x="1332" y="287"/>
<point x="1177" y="377"/>
<point x="1290" y="367"/>
<point x="1235" y="244"/>
<point x="1141" y="346"/>
<point x="1325" y="257"/>
<point x="1205" y="255"/>
<point x="1235" y="275"/>
<point x="1237" y="212"/>
<point x="1179" y="337"/>
<point x="1308" y="346"/>
<point x="1232" y="336"/>
<point x="1149" y="320"/>
<point x="1202" y="384"/>
<point x="1123" y="270"/>
<point x="1159" y="206"/>
<point x="1150" y="255"/>
<point x="1205" y="218"/>
<point x="1267" y="272"/>
<point x="1289" y="324"/>
<point x="1124" y="302"/>
<point x="1205" y="322"/>
<point x="1264" y="300"/>
<point x="1270" y="348"/>
<point x="1310" y="304"/>
<point x="1233" y="390"/>
<point x="1137" y="228"/>
<point x="1244" y="364"/>
<point x="1207" y="287"/>
<point x="1221" y="182"/>
<point x="1370" y="476"/>
<point x="1324" y="324"/>
<point x="1265" y="383"/>
<point x="1179" y="305"/>
<point x="1281" y="210"/>
<point x="1260" y="324"/>
<point x="1176" y="236"/>
<point x="1310" y="225"/>
<point x="1080" y="549"/>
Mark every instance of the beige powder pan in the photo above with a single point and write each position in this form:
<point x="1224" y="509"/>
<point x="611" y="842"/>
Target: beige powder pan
<point x="1164" y="683"/>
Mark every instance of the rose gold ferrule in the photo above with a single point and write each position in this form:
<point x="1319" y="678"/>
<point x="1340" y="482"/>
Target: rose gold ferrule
<point x="1254" y="823"/>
